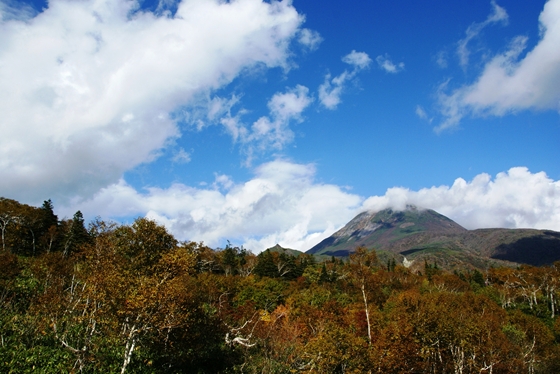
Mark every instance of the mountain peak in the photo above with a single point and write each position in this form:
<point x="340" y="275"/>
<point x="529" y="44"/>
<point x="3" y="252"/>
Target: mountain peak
<point x="419" y="233"/>
<point x="381" y="228"/>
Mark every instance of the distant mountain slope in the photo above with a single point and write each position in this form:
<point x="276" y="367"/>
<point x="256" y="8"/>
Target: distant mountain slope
<point x="278" y="248"/>
<point x="419" y="234"/>
<point x="385" y="229"/>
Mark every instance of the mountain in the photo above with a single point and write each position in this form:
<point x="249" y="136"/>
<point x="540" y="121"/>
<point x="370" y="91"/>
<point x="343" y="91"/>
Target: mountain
<point x="387" y="229"/>
<point x="278" y="248"/>
<point x="423" y="234"/>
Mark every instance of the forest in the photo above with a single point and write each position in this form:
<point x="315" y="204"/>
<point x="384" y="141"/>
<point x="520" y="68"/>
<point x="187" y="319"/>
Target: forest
<point x="104" y="297"/>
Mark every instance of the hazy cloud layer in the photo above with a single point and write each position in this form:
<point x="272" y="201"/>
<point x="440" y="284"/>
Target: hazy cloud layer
<point x="284" y="203"/>
<point x="512" y="82"/>
<point x="87" y="88"/>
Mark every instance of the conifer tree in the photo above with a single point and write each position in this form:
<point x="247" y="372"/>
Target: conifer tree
<point x="265" y="265"/>
<point x="76" y="235"/>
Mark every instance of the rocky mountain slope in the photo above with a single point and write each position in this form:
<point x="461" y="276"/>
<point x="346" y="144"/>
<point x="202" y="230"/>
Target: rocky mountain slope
<point x="423" y="234"/>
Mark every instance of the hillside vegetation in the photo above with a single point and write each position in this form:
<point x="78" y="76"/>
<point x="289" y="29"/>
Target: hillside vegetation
<point x="111" y="298"/>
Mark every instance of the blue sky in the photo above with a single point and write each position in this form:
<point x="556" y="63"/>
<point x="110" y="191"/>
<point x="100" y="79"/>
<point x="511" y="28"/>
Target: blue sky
<point x="277" y="122"/>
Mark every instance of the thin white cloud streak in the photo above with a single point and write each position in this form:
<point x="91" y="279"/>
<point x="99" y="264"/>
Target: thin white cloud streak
<point x="441" y="59"/>
<point x="498" y="15"/>
<point x="332" y="88"/>
<point x="389" y="66"/>
<point x="422" y="114"/>
<point x="12" y="10"/>
<point x="87" y="88"/>
<point x="513" y="199"/>
<point x="510" y="84"/>
<point x="284" y="203"/>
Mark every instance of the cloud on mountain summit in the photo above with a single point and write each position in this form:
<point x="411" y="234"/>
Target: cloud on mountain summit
<point x="513" y="199"/>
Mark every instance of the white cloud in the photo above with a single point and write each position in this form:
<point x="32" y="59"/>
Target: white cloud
<point x="389" y="66"/>
<point x="360" y="60"/>
<point x="289" y="105"/>
<point x="282" y="204"/>
<point x="441" y="59"/>
<point x="166" y="7"/>
<point x="87" y="88"/>
<point x="181" y="157"/>
<point x="498" y="15"/>
<point x="514" y="199"/>
<point x="331" y="89"/>
<point x="510" y="84"/>
<point x="421" y="113"/>
<point x="207" y="110"/>
<point x="310" y="39"/>
<point x="272" y="131"/>
<point x="223" y="181"/>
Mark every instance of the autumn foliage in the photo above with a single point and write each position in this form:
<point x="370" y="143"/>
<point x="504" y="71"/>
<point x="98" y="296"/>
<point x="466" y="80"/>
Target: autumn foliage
<point x="111" y="298"/>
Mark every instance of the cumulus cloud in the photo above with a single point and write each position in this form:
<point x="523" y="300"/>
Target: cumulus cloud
<point x="272" y="131"/>
<point x="498" y="15"/>
<point x="89" y="89"/>
<point x="513" y="199"/>
<point x="389" y="66"/>
<point x="360" y="60"/>
<point x="310" y="39"/>
<point x="509" y="83"/>
<point x="282" y="203"/>
<point x="331" y="89"/>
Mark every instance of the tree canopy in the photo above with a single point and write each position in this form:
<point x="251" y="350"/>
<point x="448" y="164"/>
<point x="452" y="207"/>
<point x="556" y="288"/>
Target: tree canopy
<point x="131" y="298"/>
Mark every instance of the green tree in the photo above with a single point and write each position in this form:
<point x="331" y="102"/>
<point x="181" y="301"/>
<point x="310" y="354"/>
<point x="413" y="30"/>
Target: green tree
<point x="265" y="265"/>
<point x="49" y="226"/>
<point x="75" y="234"/>
<point x="229" y="259"/>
